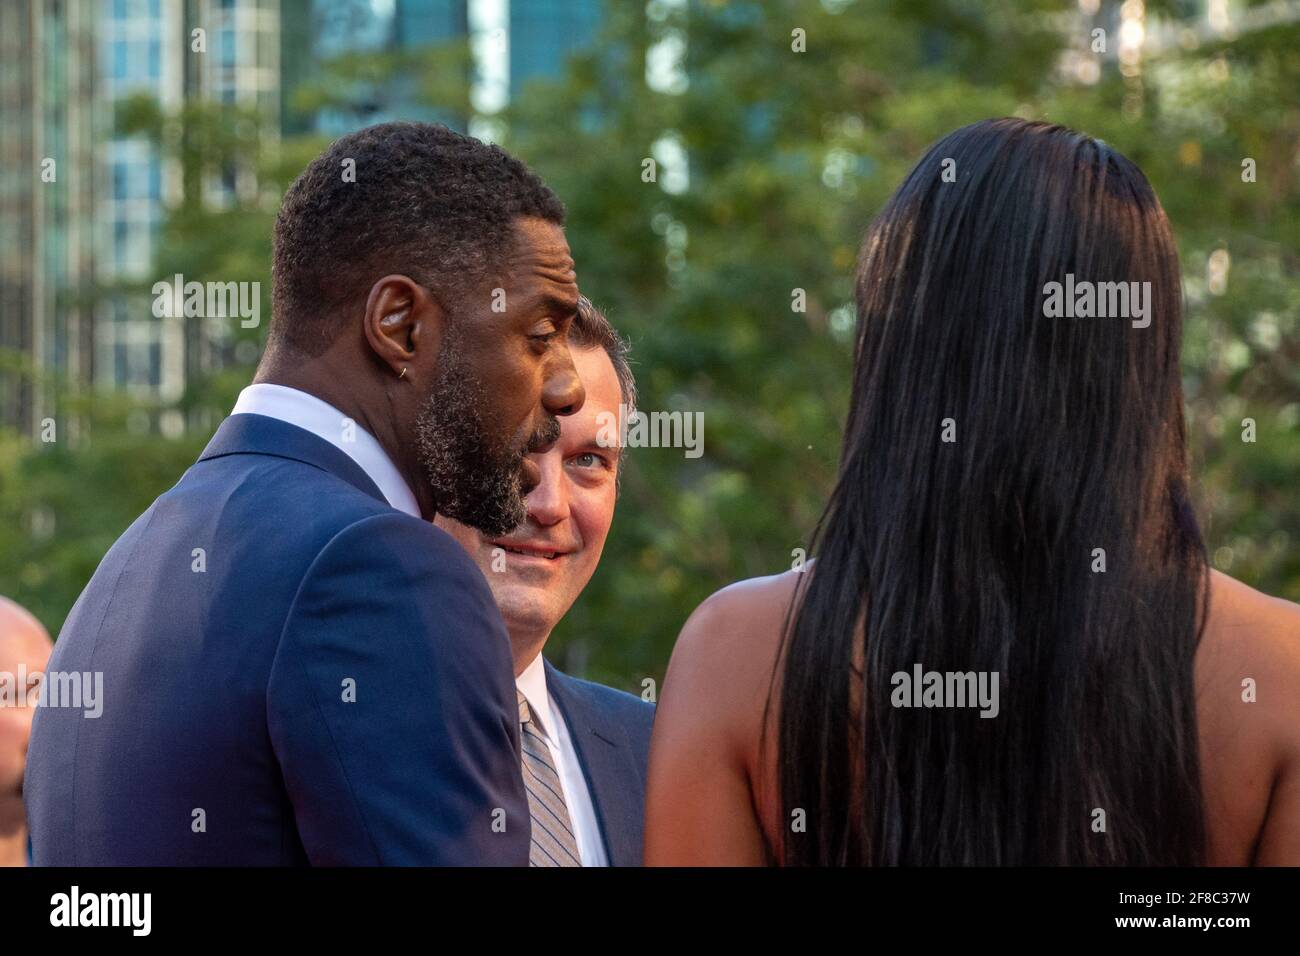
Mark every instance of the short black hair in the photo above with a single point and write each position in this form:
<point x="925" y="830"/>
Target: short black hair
<point x="426" y="202"/>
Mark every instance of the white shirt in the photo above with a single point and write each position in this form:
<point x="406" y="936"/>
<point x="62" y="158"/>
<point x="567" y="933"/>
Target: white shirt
<point x="577" y="798"/>
<point x="325" y="421"/>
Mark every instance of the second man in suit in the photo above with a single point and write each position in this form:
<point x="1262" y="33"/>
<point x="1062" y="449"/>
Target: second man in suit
<point x="585" y="746"/>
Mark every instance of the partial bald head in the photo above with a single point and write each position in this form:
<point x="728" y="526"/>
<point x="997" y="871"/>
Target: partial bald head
<point x="22" y="638"/>
<point x="24" y="649"/>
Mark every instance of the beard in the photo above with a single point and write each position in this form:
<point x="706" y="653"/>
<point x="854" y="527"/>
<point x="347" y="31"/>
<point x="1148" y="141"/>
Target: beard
<point x="476" y="480"/>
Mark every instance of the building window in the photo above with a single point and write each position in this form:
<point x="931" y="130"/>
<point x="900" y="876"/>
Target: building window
<point x="227" y="47"/>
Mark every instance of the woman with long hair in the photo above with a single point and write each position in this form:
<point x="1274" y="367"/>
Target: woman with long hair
<point x="1012" y="508"/>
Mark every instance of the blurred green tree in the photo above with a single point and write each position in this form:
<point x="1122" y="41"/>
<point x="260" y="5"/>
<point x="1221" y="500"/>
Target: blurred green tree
<point x="777" y="129"/>
<point x="771" y="162"/>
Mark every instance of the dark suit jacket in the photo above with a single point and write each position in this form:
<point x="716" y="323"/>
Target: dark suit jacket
<point x="611" y="733"/>
<point x="226" y="736"/>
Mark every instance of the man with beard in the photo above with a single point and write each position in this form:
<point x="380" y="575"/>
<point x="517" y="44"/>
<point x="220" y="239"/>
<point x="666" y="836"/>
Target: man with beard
<point x="297" y="666"/>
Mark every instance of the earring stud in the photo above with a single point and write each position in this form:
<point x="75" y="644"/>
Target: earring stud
<point x="403" y="375"/>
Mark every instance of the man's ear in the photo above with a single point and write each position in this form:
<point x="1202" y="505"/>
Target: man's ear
<point x="403" y="323"/>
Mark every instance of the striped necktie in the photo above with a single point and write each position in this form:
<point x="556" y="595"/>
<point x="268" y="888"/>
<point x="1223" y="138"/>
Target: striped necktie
<point x="553" y="841"/>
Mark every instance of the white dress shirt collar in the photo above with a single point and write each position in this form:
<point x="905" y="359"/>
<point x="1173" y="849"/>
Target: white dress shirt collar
<point x="532" y="683"/>
<point x="323" y="420"/>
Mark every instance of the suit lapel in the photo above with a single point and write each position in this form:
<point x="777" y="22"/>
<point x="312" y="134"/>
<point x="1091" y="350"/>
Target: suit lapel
<point x="611" y="774"/>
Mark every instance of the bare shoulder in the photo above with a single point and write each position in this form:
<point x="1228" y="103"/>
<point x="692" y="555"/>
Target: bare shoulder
<point x="1247" y="669"/>
<point x="753" y="601"/>
<point x="701" y="787"/>
<point x="733" y="638"/>
<point x="1249" y="628"/>
<point x="721" y="674"/>
<point x="1250" y="654"/>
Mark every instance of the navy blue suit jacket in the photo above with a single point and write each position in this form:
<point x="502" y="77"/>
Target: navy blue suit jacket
<point x="333" y="687"/>
<point x="611" y="733"/>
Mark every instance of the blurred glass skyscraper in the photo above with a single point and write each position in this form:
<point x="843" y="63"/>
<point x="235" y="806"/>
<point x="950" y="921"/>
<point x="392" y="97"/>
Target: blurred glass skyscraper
<point x="544" y="32"/>
<point x="47" y="243"/>
<point x="151" y="47"/>
<point x="318" y="31"/>
<point x="77" y="242"/>
<point x="74" y="249"/>
<point x="518" y="41"/>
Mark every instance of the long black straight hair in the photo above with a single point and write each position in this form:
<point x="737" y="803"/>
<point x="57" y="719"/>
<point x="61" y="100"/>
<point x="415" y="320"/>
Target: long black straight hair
<point x="1013" y="499"/>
